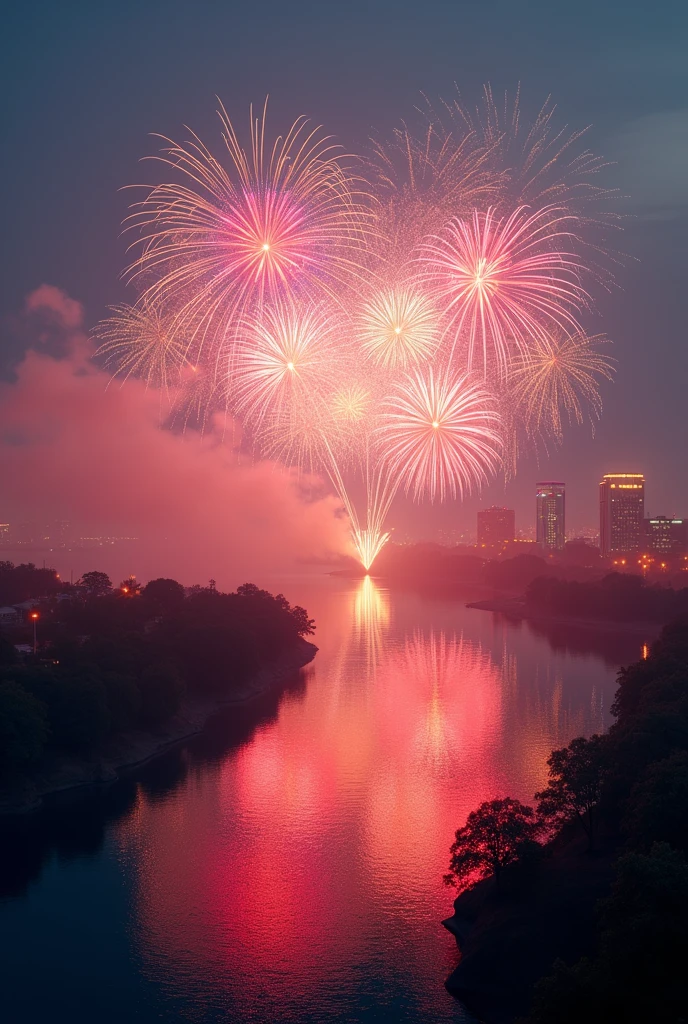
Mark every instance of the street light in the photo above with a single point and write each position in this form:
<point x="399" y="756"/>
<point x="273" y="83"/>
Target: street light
<point x="34" y="619"/>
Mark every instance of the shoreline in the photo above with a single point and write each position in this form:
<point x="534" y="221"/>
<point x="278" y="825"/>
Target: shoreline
<point x="507" y="941"/>
<point x="131" y="750"/>
<point x="515" y="609"/>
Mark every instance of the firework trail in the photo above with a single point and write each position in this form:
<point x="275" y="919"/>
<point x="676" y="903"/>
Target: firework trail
<point x="537" y="162"/>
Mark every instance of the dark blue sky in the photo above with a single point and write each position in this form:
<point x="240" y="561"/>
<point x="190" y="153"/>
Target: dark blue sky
<point x="85" y="83"/>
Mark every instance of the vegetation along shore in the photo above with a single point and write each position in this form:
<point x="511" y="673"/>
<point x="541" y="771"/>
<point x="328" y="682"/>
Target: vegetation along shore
<point x="577" y="909"/>
<point x="121" y="674"/>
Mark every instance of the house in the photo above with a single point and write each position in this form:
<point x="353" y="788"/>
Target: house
<point x="9" y="616"/>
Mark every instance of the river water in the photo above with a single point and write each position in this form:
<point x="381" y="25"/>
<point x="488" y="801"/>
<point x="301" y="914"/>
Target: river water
<point x="286" y="866"/>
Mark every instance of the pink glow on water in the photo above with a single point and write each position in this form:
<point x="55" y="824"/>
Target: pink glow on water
<point x="315" y="851"/>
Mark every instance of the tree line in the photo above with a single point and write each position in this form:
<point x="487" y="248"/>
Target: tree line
<point x="630" y="784"/>
<point x="22" y="582"/>
<point x="621" y="597"/>
<point x="114" y="660"/>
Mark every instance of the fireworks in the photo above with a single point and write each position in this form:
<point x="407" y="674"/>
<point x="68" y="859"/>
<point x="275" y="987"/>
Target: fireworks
<point x="502" y="280"/>
<point x="141" y="341"/>
<point x="538" y="162"/>
<point x="413" y="333"/>
<point x="441" y="434"/>
<point x="286" y="359"/>
<point x="234" y="234"/>
<point x="561" y="374"/>
<point x="351" y="403"/>
<point x="399" y="327"/>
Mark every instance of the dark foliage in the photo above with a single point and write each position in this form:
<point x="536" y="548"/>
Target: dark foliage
<point x="497" y="834"/>
<point x="639" y="970"/>
<point x="123" y="659"/>
<point x="576" y="775"/>
<point x="619" y="597"/>
<point x="516" y="573"/>
<point x="95" y="583"/>
<point x="22" y="582"/>
<point x="163" y="596"/>
<point x="639" y="973"/>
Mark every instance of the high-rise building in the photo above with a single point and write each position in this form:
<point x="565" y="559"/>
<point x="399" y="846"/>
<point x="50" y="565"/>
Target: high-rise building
<point x="622" y="512"/>
<point x="665" y="536"/>
<point x="496" y="527"/>
<point x="550" y="515"/>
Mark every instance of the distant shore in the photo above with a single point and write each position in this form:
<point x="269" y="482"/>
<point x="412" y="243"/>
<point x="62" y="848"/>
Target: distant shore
<point x="133" y="749"/>
<point x="515" y="608"/>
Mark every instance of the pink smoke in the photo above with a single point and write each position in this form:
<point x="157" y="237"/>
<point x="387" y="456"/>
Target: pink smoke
<point x="77" y="448"/>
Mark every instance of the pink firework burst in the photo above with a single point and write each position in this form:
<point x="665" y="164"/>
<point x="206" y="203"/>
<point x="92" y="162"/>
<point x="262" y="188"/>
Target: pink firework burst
<point x="503" y="281"/>
<point x="287" y="360"/>
<point x="237" y="231"/>
<point x="440" y="434"/>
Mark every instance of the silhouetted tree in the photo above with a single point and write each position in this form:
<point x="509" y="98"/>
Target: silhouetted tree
<point x="576" y="775"/>
<point x="96" y="583"/>
<point x="23" y="582"/>
<point x="495" y="835"/>
<point x="163" y="596"/>
<point x="515" y="573"/>
<point x="118" y="664"/>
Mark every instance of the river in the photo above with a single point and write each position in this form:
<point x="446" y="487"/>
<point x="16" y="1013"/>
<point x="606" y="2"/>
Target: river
<point x="286" y="865"/>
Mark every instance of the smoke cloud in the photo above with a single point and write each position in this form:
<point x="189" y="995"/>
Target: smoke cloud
<point x="77" y="447"/>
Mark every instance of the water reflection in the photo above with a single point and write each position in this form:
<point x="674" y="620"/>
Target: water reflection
<point x="287" y="865"/>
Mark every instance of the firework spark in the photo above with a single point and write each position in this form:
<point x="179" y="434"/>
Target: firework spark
<point x="441" y="434"/>
<point x="237" y="233"/>
<point x="141" y="341"/>
<point x="286" y="360"/>
<point x="399" y="327"/>
<point x="429" y="172"/>
<point x="539" y="162"/>
<point x="501" y="279"/>
<point x="350" y="404"/>
<point x="561" y="374"/>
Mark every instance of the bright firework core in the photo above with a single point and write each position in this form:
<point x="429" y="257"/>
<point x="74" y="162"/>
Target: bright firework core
<point x="409" y="333"/>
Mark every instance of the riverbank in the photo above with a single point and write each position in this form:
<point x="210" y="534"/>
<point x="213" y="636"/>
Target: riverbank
<point x="515" y="608"/>
<point x="509" y="940"/>
<point x="130" y="750"/>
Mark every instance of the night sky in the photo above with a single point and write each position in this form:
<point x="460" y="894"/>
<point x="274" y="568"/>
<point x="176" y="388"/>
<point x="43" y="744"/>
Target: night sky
<point x="84" y="85"/>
